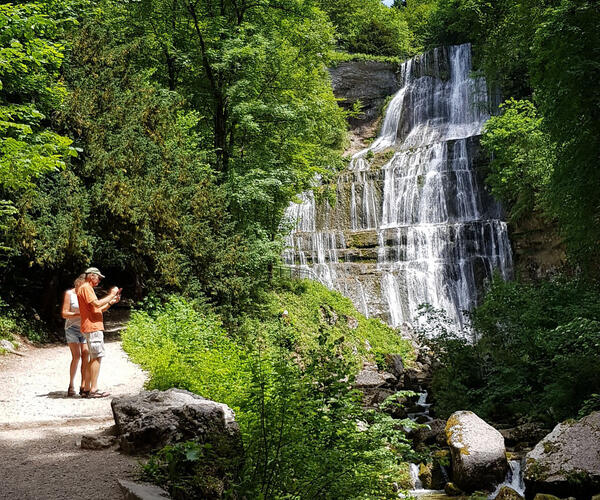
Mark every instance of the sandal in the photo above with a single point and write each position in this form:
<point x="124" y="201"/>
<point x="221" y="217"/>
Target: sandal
<point x="83" y="393"/>
<point x="96" y="394"/>
<point x="71" y="392"/>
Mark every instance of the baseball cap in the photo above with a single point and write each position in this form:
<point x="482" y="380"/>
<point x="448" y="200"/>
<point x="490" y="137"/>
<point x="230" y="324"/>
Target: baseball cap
<point x="94" y="270"/>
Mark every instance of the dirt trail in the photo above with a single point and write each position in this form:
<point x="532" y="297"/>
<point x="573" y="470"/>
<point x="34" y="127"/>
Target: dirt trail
<point x="40" y="428"/>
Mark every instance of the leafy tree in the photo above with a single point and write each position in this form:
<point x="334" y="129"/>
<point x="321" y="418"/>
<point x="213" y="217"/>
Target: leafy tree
<point x="418" y="14"/>
<point x="565" y="71"/>
<point x="155" y="210"/>
<point x="369" y="27"/>
<point x="522" y="159"/>
<point x="535" y="354"/>
<point x="255" y="73"/>
<point x="30" y="91"/>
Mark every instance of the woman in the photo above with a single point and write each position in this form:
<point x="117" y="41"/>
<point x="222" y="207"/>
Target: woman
<point x="75" y="340"/>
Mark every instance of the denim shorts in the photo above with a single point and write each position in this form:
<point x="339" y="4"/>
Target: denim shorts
<point x="74" y="335"/>
<point x="95" y="342"/>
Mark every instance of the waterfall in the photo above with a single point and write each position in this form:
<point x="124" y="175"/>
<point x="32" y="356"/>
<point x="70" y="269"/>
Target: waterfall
<point x="514" y="479"/>
<point x="412" y="223"/>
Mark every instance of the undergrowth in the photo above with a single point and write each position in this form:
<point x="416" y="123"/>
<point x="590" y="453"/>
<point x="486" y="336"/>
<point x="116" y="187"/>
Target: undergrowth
<point x="289" y="379"/>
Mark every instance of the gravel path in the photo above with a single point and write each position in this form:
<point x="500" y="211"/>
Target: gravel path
<point x="40" y="428"/>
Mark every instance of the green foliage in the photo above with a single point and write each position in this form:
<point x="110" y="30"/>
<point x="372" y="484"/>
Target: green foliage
<point x="564" y="72"/>
<point x="257" y="79"/>
<point x="314" y="308"/>
<point x="535" y="355"/>
<point x="18" y="321"/>
<point x="522" y="159"/>
<point x="185" y="348"/>
<point x="289" y="382"/>
<point x="336" y="57"/>
<point x="418" y="14"/>
<point x="590" y="405"/>
<point x="369" y="27"/>
<point x="189" y="470"/>
<point x="30" y="90"/>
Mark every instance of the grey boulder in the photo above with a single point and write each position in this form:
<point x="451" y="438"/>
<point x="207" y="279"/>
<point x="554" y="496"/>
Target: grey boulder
<point x="566" y="461"/>
<point x="478" y="452"/>
<point x="153" y="419"/>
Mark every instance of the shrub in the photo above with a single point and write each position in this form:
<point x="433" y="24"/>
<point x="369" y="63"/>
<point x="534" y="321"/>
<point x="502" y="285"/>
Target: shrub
<point x="289" y="381"/>
<point x="535" y="356"/>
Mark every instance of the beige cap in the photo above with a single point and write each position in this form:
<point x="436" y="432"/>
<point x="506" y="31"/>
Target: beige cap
<point x="94" y="270"/>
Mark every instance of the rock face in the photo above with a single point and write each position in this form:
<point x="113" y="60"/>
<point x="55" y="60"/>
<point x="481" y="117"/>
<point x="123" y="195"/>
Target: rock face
<point x="369" y="82"/>
<point x="153" y="419"/>
<point x="478" y="453"/>
<point x="566" y="461"/>
<point x="539" y="250"/>
<point x="434" y="433"/>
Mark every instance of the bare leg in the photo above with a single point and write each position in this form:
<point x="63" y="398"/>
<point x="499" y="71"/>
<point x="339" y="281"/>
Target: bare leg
<point x="75" y="355"/>
<point x="91" y="381"/>
<point x="85" y="359"/>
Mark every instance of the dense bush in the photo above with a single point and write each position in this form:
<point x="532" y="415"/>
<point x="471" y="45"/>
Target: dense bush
<point x="535" y="356"/>
<point x="289" y="382"/>
<point x="19" y="321"/>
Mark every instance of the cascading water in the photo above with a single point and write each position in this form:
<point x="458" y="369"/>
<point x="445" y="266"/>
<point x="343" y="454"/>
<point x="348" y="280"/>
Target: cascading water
<point x="412" y="223"/>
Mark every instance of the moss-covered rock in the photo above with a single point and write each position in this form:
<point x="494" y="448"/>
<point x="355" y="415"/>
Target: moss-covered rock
<point x="452" y="490"/>
<point x="425" y="474"/>
<point x="361" y="239"/>
<point x="507" y="493"/>
<point x="478" y="452"/>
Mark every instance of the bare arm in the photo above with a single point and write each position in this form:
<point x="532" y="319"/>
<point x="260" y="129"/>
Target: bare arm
<point x="105" y="301"/>
<point x="114" y="300"/>
<point x="66" y="308"/>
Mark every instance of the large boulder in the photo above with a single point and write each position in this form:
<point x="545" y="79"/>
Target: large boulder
<point x="478" y="452"/>
<point x="567" y="461"/>
<point x="153" y="419"/>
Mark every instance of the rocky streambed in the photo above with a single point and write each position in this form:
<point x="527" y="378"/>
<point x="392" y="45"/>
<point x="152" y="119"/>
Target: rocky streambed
<point x="471" y="458"/>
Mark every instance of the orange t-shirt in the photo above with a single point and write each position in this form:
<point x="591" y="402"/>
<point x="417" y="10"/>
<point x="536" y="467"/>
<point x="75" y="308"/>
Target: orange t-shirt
<point x="91" y="317"/>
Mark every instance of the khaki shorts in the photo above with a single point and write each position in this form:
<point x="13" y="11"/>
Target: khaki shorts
<point x="95" y="342"/>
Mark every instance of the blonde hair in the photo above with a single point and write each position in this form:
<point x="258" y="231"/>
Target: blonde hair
<point x="80" y="280"/>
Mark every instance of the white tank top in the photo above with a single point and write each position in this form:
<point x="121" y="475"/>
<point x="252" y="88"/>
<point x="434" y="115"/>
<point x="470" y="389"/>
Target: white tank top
<point x="73" y="307"/>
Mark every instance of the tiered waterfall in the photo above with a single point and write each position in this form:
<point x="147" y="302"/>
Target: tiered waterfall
<point x="412" y="222"/>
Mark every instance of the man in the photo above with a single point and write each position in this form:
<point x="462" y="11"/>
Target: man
<point x="92" y="326"/>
